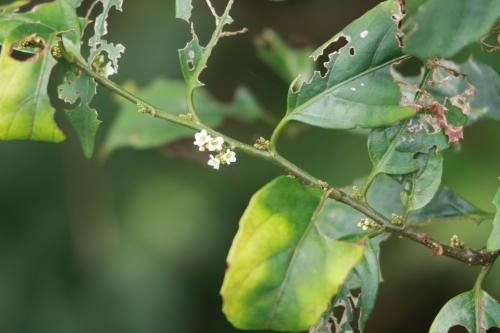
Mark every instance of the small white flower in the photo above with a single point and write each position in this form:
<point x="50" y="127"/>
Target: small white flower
<point x="215" y="144"/>
<point x="214" y="162"/>
<point x="201" y="139"/>
<point x="108" y="70"/>
<point x="228" y="157"/>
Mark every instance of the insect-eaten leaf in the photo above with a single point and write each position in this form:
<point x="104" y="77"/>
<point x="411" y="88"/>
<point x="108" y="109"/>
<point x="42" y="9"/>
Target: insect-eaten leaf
<point x="474" y="310"/>
<point x="26" y="66"/>
<point x="465" y="22"/>
<point x="357" y="89"/>
<point x="494" y="239"/>
<point x="282" y="269"/>
<point x="81" y="89"/>
<point x="353" y="305"/>
<point x="141" y="131"/>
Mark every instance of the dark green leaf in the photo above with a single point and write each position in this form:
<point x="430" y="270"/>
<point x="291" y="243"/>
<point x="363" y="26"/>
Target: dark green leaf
<point x="475" y="310"/>
<point x="441" y="28"/>
<point x="358" y="89"/>
<point x="282" y="269"/>
<point x="494" y="240"/>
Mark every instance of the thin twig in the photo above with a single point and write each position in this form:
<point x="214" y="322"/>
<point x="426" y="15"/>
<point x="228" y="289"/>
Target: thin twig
<point x="467" y="255"/>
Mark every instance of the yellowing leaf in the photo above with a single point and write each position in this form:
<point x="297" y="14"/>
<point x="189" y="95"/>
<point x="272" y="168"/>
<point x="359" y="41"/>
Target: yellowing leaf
<point x="283" y="270"/>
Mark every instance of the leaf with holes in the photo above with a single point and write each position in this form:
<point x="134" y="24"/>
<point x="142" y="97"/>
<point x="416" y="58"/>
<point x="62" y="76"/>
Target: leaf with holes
<point x="101" y="47"/>
<point x="486" y="85"/>
<point x="25" y="109"/>
<point x="357" y="298"/>
<point x="81" y="89"/>
<point x="282" y="269"/>
<point x="358" y="89"/>
<point x="494" y="239"/>
<point x="465" y="22"/>
<point x="475" y="310"/>
<point x="141" y="131"/>
<point x="286" y="61"/>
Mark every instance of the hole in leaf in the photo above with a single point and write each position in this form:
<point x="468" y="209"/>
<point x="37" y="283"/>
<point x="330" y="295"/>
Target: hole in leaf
<point x="352" y="51"/>
<point x="28" y="48"/>
<point x="458" y="329"/>
<point x="22" y="56"/>
<point x="338" y="313"/>
<point x="190" y="64"/>
<point x="334" y="47"/>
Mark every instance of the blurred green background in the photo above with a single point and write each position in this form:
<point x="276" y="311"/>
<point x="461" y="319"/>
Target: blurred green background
<point x="137" y="243"/>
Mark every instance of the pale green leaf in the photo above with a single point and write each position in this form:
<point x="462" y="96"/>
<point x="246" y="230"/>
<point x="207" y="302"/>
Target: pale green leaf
<point x="141" y="131"/>
<point x="425" y="183"/>
<point x="100" y="46"/>
<point x="282" y="269"/>
<point x="183" y="9"/>
<point x="494" y="240"/>
<point x="475" y="310"/>
<point x="286" y="61"/>
<point x="358" y="89"/>
<point x="441" y="28"/>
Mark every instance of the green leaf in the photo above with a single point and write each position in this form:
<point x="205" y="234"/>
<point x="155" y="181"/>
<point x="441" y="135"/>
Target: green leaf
<point x="84" y="119"/>
<point x="192" y="64"/>
<point x="140" y="131"/>
<point x="486" y="82"/>
<point x="13" y="7"/>
<point x="340" y="220"/>
<point x="25" y="109"/>
<point x="425" y="183"/>
<point x="441" y="28"/>
<point x="475" y="310"/>
<point x="447" y="206"/>
<point x="393" y="150"/>
<point x="357" y="298"/>
<point x="282" y="269"/>
<point x="494" y="240"/>
<point x="358" y="90"/>
<point x="183" y="9"/>
<point x="286" y="61"/>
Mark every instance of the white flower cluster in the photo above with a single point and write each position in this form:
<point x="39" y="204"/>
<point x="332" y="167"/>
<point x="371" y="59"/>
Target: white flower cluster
<point x="205" y="142"/>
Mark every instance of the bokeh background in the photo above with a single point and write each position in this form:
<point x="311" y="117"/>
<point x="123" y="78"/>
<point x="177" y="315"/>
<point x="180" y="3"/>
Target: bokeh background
<point x="137" y="242"/>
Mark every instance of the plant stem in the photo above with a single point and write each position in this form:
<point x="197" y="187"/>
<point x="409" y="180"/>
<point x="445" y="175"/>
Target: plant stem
<point x="466" y="255"/>
<point x="193" y="82"/>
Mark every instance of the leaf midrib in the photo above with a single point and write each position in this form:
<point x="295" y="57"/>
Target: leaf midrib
<point x="338" y="85"/>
